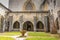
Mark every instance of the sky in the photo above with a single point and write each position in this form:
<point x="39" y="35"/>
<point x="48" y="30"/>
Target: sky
<point x="4" y="2"/>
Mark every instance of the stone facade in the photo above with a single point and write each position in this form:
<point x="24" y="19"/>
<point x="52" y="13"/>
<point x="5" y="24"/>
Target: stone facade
<point x="23" y="17"/>
<point x="32" y="15"/>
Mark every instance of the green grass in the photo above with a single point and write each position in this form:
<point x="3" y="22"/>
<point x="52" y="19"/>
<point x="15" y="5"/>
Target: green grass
<point x="51" y="38"/>
<point x="2" y="37"/>
<point x="10" y="33"/>
<point x="41" y="36"/>
<point x="38" y="34"/>
<point x="6" y="38"/>
<point x="31" y="36"/>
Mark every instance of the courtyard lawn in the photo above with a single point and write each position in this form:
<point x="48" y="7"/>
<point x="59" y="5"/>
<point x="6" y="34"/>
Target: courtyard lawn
<point x="31" y="36"/>
<point x="5" y="35"/>
<point x="38" y="34"/>
<point x="41" y="36"/>
<point x="6" y="38"/>
<point x="36" y="38"/>
<point x="10" y="33"/>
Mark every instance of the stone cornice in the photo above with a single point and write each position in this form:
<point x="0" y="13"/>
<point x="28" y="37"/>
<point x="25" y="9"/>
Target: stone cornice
<point x="29" y="12"/>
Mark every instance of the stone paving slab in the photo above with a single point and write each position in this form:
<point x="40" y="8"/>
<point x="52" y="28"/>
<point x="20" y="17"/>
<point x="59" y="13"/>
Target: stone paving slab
<point x="15" y="37"/>
<point x="20" y="38"/>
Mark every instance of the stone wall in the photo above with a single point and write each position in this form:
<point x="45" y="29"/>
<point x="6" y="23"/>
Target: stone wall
<point x="23" y="17"/>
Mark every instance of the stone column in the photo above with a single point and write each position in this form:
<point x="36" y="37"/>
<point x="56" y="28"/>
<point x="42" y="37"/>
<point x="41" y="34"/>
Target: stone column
<point x="10" y="23"/>
<point x="0" y="23"/>
<point x="4" y="25"/>
<point x="52" y="25"/>
<point x="21" y="26"/>
<point x="59" y="22"/>
<point x="46" y="23"/>
<point x="21" y="21"/>
<point x="35" y="22"/>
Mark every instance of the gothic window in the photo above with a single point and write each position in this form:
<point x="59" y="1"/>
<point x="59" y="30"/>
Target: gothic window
<point x="29" y="6"/>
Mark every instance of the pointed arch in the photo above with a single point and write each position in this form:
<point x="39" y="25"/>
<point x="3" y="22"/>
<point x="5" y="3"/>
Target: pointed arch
<point x="28" y="25"/>
<point x="40" y="26"/>
<point x="44" y="5"/>
<point x="29" y="5"/>
<point x="16" y="25"/>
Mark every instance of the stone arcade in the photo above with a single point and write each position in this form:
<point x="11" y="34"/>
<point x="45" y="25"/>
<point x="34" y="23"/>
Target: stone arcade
<point x="30" y="15"/>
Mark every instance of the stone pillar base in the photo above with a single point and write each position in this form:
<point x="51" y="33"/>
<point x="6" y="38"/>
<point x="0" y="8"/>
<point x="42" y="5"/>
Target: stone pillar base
<point x="58" y="31"/>
<point x="53" y="30"/>
<point x="34" y="30"/>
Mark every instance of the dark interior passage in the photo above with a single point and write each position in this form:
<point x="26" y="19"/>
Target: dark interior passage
<point x="28" y="26"/>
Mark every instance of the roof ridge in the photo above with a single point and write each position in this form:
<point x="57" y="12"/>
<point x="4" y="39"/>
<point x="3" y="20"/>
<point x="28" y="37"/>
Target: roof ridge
<point x="5" y="7"/>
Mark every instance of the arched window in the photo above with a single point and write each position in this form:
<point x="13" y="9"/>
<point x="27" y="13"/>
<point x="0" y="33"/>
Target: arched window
<point x="29" y="5"/>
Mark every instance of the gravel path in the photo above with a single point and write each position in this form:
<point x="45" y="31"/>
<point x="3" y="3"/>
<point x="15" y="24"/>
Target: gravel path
<point x="16" y="37"/>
